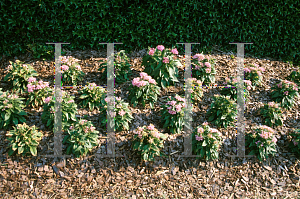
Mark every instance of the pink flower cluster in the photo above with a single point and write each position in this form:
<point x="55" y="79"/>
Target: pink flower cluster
<point x="272" y="104"/>
<point x="173" y="105"/>
<point x="166" y="60"/>
<point x="198" y="138"/>
<point x="258" y="69"/>
<point x="139" y="81"/>
<point x="295" y="87"/>
<point x="38" y="86"/>
<point x="64" y="67"/>
<point x="122" y="112"/>
<point x="200" y="57"/>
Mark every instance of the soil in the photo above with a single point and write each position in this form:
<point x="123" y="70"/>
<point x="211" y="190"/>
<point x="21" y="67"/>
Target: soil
<point x="172" y="177"/>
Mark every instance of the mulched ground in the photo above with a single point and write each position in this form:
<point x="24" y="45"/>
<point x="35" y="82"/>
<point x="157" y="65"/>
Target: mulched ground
<point x="172" y="177"/>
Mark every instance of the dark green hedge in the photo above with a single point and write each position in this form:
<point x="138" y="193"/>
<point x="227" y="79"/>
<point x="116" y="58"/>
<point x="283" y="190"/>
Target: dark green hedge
<point x="273" y="26"/>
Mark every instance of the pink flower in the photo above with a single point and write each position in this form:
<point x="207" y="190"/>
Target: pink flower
<point x="170" y="107"/>
<point x="200" y="130"/>
<point x="248" y="82"/>
<point x="201" y="64"/>
<point x="70" y="101"/>
<point x="295" y="88"/>
<point x="197" y="67"/>
<point x="31" y="79"/>
<point x="147" y="78"/>
<point x="64" y="67"/>
<point x="208" y="70"/>
<point x="122" y="112"/>
<point x="172" y="112"/>
<point x="205" y="123"/>
<point x="259" y="73"/>
<point x="172" y="102"/>
<point x="262" y="69"/>
<point x="119" y="106"/>
<point x="271" y="104"/>
<point x="207" y="64"/>
<point x="150" y="127"/>
<point x="279" y="85"/>
<point x="118" y="98"/>
<point x="286" y="92"/>
<point x="166" y="60"/>
<point x="106" y="99"/>
<point x="38" y="87"/>
<point x="174" y="51"/>
<point x="155" y="134"/>
<point x="152" y="81"/>
<point x="274" y="139"/>
<point x="247" y="70"/>
<point x="142" y="74"/>
<point x="151" y="51"/>
<point x="199" y="56"/>
<point x="256" y="65"/>
<point x="248" y="88"/>
<point x="178" y="107"/>
<point x="47" y="100"/>
<point x="143" y="83"/>
<point x="160" y="47"/>
<point x="198" y="138"/>
<point x="78" y="67"/>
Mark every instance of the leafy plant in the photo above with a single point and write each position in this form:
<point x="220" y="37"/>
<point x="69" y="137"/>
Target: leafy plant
<point x="69" y="109"/>
<point x="18" y="74"/>
<point x="122" y="68"/>
<point x="294" y="139"/>
<point x="295" y="76"/>
<point x="203" y="68"/>
<point x="262" y="142"/>
<point x="162" y="65"/>
<point x="196" y="92"/>
<point x="23" y="139"/>
<point x="206" y="142"/>
<point x="271" y="114"/>
<point x="172" y="114"/>
<point x="37" y="92"/>
<point x="143" y="89"/>
<point x="222" y="111"/>
<point x="11" y="110"/>
<point x="91" y="96"/>
<point x="122" y="114"/>
<point x="285" y="92"/>
<point x="148" y="142"/>
<point x="81" y="138"/>
<point x="228" y="90"/>
<point x="254" y="74"/>
<point x="71" y="71"/>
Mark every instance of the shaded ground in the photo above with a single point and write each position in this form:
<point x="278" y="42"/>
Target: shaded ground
<point x="170" y="177"/>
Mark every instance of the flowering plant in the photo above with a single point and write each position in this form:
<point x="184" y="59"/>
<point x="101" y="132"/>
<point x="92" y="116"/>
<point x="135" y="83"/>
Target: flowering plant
<point x="222" y="111"/>
<point x="203" y="68"/>
<point x="254" y="74"/>
<point x="122" y="68"/>
<point x="91" y="96"/>
<point x="11" y="110"/>
<point x="81" y="138"/>
<point x="295" y="76"/>
<point x="232" y="92"/>
<point x="196" y="90"/>
<point x="261" y="142"/>
<point x="18" y="74"/>
<point x="122" y="113"/>
<point x="143" y="89"/>
<point x="285" y="93"/>
<point x="148" y="142"/>
<point x="69" y="109"/>
<point x="294" y="139"/>
<point x="172" y="114"/>
<point x="38" y="91"/>
<point x="206" y="142"/>
<point x="162" y="64"/>
<point x="71" y="71"/>
<point x="24" y="139"/>
<point x="271" y="114"/>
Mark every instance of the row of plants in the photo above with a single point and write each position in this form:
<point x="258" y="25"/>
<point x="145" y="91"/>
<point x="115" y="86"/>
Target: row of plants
<point x="164" y="68"/>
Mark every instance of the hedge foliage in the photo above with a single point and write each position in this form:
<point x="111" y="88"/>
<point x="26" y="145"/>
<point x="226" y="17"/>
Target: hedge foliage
<point x="272" y="26"/>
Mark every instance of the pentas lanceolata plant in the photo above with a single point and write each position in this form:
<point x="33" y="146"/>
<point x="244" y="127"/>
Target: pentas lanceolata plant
<point x="122" y="113"/>
<point x="81" y="138"/>
<point x="24" y="140"/>
<point x="148" y="142"/>
<point x="294" y="142"/>
<point x="172" y="114"/>
<point x="196" y="91"/>
<point x="285" y="92"/>
<point x="162" y="64"/>
<point x="203" y="68"/>
<point x="71" y="71"/>
<point x="222" y="111"/>
<point x="295" y="76"/>
<point x="18" y="74"/>
<point x="37" y="92"/>
<point x="254" y="74"/>
<point x="271" y="114"/>
<point x="90" y="96"/>
<point x="231" y="82"/>
<point x="262" y="142"/>
<point x="122" y="68"/>
<point x="206" y="142"/>
<point x="144" y="90"/>
<point x="11" y="107"/>
<point x="69" y="109"/>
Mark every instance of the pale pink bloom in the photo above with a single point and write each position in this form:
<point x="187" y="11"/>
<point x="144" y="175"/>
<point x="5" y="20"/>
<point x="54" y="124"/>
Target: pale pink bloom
<point x="271" y="103"/>
<point x="38" y="87"/>
<point x="140" y="129"/>
<point x="40" y="82"/>
<point x="179" y="98"/>
<point x="170" y="107"/>
<point x="172" y="102"/>
<point x="256" y="65"/>
<point x="286" y="92"/>
<point x="118" y="98"/>
<point x="174" y="51"/>
<point x="70" y="101"/>
<point x="199" y="82"/>
<point x="151" y="127"/>
<point x="47" y="100"/>
<point x="31" y="79"/>
<point x="113" y="114"/>
<point x="151" y="51"/>
<point x="82" y="122"/>
<point x="262" y="69"/>
<point x="160" y="47"/>
<point x="247" y="70"/>
<point x="276" y="105"/>
<point x="71" y="127"/>
<point x="143" y="83"/>
<point x="78" y="67"/>
<point x="201" y="64"/>
<point x="92" y="128"/>
<point x="119" y="106"/>
<point x="208" y="70"/>
<point x="166" y="60"/>
<point x="207" y="64"/>
<point x="106" y="99"/>
<point x="172" y="112"/>
<point x="147" y="78"/>
<point x="248" y="88"/>
<point x="152" y="81"/>
<point x="248" y="82"/>
<point x="209" y="135"/>
<point x="200" y="130"/>
<point x="295" y="88"/>
<point x="274" y="139"/>
<point x="259" y="73"/>
<point x="205" y="123"/>
<point x="64" y="67"/>
<point x="197" y="67"/>
<point x="198" y="138"/>
<point x="214" y="130"/>
<point x="279" y="85"/>
<point x="30" y="90"/>
<point x="86" y="130"/>
<point x="199" y="56"/>
<point x="155" y="134"/>
<point x="122" y="112"/>
<point x="142" y="74"/>
<point x="178" y="107"/>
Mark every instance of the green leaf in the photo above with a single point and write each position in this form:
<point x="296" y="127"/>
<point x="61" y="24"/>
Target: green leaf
<point x="20" y="150"/>
<point x="7" y="115"/>
<point x="15" y="121"/>
<point x="211" y="118"/>
<point x="33" y="150"/>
